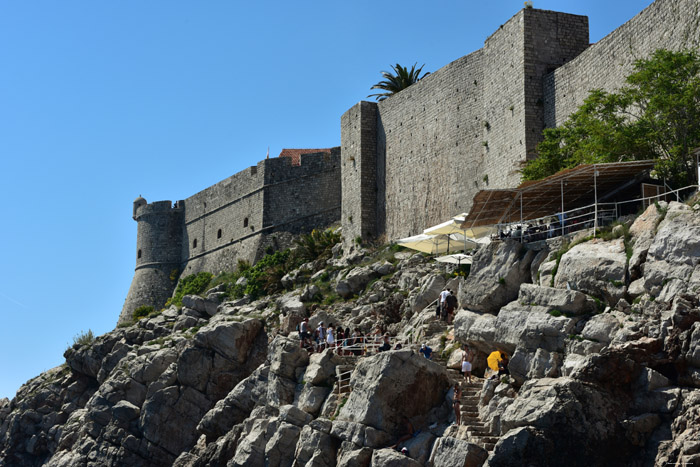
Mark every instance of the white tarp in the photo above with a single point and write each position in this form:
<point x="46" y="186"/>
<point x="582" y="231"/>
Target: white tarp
<point x="434" y="244"/>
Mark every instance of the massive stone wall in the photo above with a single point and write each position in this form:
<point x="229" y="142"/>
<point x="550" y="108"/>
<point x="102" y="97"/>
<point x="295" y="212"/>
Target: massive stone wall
<point x="303" y="197"/>
<point x="465" y="127"/>
<point x="669" y="24"/>
<point x="231" y="220"/>
<point x="222" y="222"/>
<point x="429" y="148"/>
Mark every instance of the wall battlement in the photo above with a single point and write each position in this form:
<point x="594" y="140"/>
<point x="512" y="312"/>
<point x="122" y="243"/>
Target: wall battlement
<point x="234" y="219"/>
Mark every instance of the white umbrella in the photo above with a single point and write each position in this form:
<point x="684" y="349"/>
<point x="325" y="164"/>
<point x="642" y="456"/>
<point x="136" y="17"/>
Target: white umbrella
<point x="457" y="258"/>
<point x="480" y="235"/>
<point x="433" y="244"/>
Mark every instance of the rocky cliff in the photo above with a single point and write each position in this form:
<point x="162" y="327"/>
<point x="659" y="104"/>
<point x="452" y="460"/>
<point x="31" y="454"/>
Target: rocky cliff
<point x="603" y="334"/>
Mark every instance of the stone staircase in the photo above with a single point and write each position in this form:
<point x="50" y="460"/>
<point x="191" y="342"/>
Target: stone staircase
<point x="477" y="431"/>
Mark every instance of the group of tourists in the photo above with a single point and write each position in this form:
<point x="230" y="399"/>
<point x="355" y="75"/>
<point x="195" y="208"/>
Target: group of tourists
<point x="447" y="303"/>
<point x="342" y="341"/>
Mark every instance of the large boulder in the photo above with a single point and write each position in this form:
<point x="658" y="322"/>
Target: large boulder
<point x="497" y="272"/>
<point x="548" y="406"/>
<point x="515" y="326"/>
<point x="287" y="363"/>
<point x="674" y="255"/>
<point x="355" y="281"/>
<point x="430" y="288"/>
<point x="453" y="452"/>
<point x="563" y="300"/>
<point x="393" y="385"/>
<point x="596" y="268"/>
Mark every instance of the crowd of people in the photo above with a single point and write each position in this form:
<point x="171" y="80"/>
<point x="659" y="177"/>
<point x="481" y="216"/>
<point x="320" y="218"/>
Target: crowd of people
<point x="343" y="341"/>
<point x="555" y="226"/>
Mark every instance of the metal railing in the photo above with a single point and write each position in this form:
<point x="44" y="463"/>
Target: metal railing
<point x="590" y="217"/>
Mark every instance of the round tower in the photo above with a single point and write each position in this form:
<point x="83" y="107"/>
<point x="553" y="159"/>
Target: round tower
<point x="158" y="255"/>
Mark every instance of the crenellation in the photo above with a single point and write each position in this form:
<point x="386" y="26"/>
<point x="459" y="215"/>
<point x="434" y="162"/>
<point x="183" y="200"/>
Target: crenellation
<point x="230" y="221"/>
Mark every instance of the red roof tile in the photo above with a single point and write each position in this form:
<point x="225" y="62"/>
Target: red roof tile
<point x="295" y="154"/>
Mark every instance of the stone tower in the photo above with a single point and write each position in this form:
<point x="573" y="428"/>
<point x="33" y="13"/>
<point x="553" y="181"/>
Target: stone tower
<point x="158" y="254"/>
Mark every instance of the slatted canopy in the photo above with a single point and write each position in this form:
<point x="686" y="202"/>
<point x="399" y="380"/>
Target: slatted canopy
<point x="571" y="188"/>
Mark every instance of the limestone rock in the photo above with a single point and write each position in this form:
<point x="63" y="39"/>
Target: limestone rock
<point x="391" y="458"/>
<point x="355" y="281"/>
<point x="315" y="447"/>
<point x="430" y="288"/>
<point x="391" y="385"/>
<point x="199" y="304"/>
<point x="601" y="328"/>
<point x="565" y="301"/>
<point x="497" y="272"/>
<point x="448" y="451"/>
<point x="675" y="251"/>
<point x="321" y="368"/>
<point x="595" y="268"/>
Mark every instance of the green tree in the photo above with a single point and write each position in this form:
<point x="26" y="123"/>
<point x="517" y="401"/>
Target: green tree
<point x="399" y="80"/>
<point x="655" y="116"/>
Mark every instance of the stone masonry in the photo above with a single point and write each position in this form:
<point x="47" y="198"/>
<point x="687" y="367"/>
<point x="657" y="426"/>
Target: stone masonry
<point x="472" y="124"/>
<point x="412" y="160"/>
<point x="234" y="219"/>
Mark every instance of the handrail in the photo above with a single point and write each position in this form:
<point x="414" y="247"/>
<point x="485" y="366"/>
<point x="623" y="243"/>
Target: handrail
<point x="574" y="220"/>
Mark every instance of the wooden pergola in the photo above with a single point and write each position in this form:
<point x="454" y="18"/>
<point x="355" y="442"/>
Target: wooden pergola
<point x="567" y="189"/>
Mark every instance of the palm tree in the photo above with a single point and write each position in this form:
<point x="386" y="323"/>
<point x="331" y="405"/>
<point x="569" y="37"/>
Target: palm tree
<point x="401" y="79"/>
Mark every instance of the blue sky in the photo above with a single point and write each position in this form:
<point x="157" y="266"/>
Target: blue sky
<point x="103" y="101"/>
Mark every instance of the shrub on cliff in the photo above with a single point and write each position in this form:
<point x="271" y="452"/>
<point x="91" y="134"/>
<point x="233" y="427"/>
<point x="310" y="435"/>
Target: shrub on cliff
<point x="193" y="284"/>
<point x="656" y="116"/>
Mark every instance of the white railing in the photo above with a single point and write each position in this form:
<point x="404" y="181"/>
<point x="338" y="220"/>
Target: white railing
<point x="590" y="217"/>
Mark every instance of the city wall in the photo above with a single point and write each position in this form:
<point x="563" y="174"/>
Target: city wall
<point x="235" y="219"/>
<point x="667" y="24"/>
<point x="420" y="156"/>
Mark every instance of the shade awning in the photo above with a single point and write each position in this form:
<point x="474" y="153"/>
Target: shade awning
<point x="544" y="197"/>
<point x="434" y="244"/>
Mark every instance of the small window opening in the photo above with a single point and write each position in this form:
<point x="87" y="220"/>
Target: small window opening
<point x="245" y="222"/>
<point x="194" y="243"/>
<point x="138" y="255"/>
<point x="218" y="234"/>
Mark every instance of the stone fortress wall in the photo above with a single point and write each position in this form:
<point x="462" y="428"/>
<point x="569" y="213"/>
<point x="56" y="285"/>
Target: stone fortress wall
<point x="667" y="24"/>
<point x="412" y="160"/>
<point x="419" y="157"/>
<point x="430" y="148"/>
<point x="231" y="220"/>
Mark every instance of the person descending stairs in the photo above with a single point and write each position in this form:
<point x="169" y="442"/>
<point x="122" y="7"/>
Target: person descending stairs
<point x="477" y="431"/>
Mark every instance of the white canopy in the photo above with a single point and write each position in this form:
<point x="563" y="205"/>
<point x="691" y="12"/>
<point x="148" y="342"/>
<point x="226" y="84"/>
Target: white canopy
<point x="457" y="258"/>
<point x="434" y="244"/>
<point x="474" y="235"/>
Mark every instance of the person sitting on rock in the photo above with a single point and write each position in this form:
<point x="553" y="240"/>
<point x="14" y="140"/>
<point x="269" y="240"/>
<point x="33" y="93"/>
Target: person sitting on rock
<point x="503" y="365"/>
<point x="406" y="432"/>
<point x="386" y="345"/>
<point x="426" y="351"/>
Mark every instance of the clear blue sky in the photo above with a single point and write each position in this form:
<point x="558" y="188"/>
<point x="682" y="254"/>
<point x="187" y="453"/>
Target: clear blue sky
<point x="103" y="101"/>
